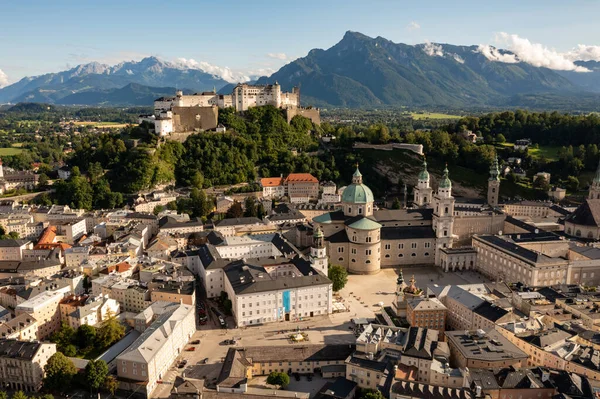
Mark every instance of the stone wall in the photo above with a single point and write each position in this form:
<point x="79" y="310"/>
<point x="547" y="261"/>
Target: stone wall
<point x="311" y="113"/>
<point x="189" y="119"/>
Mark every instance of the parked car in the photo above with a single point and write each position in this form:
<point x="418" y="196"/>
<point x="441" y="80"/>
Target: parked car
<point x="195" y="342"/>
<point x="191" y="349"/>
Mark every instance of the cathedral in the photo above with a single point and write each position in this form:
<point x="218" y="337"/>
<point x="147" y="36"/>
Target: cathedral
<point x="363" y="239"/>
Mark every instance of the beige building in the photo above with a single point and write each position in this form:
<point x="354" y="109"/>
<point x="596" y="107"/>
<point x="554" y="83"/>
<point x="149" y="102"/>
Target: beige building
<point x="22" y="364"/>
<point x="44" y="307"/>
<point x="426" y="313"/>
<point x="301" y="187"/>
<point x="151" y="355"/>
<point x="23" y="328"/>
<point x="13" y="249"/>
<point x="483" y="349"/>
<point x="173" y="291"/>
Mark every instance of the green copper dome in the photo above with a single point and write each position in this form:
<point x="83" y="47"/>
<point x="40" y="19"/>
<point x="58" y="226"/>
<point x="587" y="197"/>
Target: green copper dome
<point x="357" y="192"/>
<point x="424" y="175"/>
<point x="445" y="182"/>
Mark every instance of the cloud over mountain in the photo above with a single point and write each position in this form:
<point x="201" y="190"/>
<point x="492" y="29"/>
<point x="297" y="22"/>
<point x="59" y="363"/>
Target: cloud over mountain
<point x="537" y="54"/>
<point x="224" y="73"/>
<point x="3" y="79"/>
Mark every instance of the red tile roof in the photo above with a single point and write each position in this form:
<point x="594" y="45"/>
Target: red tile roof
<point x="301" y="178"/>
<point x="271" y="181"/>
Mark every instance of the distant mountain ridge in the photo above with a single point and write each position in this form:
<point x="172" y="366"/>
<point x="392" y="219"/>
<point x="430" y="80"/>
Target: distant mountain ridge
<point x="151" y="72"/>
<point x="358" y="71"/>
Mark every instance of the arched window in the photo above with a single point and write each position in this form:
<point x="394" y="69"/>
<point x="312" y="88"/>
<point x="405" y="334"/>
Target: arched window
<point x="387" y="255"/>
<point x="569" y="230"/>
<point x="413" y="254"/>
<point x="360" y="210"/>
<point x="341" y="259"/>
<point x="446" y="210"/>
<point x="368" y="261"/>
<point x="353" y="260"/>
<point x="578" y="233"/>
<point x="401" y="255"/>
<point x="426" y="253"/>
<point x="590" y="235"/>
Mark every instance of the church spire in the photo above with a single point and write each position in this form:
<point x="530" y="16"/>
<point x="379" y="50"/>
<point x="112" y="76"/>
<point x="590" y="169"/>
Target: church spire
<point x="357" y="176"/>
<point x="446" y="182"/>
<point x="495" y="170"/>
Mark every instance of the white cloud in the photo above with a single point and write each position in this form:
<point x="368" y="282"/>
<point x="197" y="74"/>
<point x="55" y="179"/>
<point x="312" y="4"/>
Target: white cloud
<point x="413" y="25"/>
<point x="224" y="73"/>
<point x="584" y="53"/>
<point x="3" y="79"/>
<point x="493" y="54"/>
<point x="278" y="56"/>
<point x="535" y="54"/>
<point x="433" y="49"/>
<point x="458" y="58"/>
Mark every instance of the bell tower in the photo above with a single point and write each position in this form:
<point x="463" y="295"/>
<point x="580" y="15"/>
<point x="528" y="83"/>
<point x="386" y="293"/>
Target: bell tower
<point x="423" y="191"/>
<point x="443" y="215"/>
<point x="595" y="187"/>
<point x="494" y="184"/>
<point x="318" y="252"/>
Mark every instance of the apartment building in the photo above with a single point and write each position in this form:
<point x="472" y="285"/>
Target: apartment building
<point x="272" y="187"/>
<point x="426" y="313"/>
<point x="302" y="187"/>
<point x="483" y="349"/>
<point x="44" y="307"/>
<point x="151" y="355"/>
<point x="13" y="249"/>
<point x="23" y="328"/>
<point x="173" y="291"/>
<point x="22" y="364"/>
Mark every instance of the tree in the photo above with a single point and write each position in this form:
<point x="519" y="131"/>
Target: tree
<point x="250" y="205"/>
<point x="19" y="395"/>
<point x="338" y="276"/>
<point x="111" y="384"/>
<point x="158" y="209"/>
<point x="3" y="395"/>
<point x="541" y="183"/>
<point x="63" y="338"/>
<point x="110" y="332"/>
<point x="572" y="183"/>
<point x="86" y="336"/>
<point x="234" y="211"/>
<point x="69" y="350"/>
<point x="95" y="373"/>
<point x="42" y="180"/>
<point x="59" y="373"/>
<point x="277" y="378"/>
<point x="370" y="394"/>
<point x="48" y="396"/>
<point x="499" y="139"/>
<point x="396" y="204"/>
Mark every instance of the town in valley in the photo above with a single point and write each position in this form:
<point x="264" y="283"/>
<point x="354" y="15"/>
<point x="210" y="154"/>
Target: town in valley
<point x="368" y="221"/>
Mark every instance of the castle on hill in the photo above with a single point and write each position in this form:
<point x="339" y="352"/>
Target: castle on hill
<point x="200" y="111"/>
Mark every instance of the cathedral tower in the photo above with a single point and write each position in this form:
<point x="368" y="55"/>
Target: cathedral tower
<point x="423" y="192"/>
<point x="494" y="184"/>
<point x="443" y="215"/>
<point x="318" y="252"/>
<point x="595" y="187"/>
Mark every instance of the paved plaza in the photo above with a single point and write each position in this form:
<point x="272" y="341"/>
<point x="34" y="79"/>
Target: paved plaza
<point x="362" y="296"/>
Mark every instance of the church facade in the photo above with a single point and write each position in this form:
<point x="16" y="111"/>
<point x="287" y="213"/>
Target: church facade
<point x="364" y="240"/>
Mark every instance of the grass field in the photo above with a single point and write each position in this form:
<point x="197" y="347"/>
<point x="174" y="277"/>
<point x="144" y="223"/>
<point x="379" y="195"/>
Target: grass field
<point x="115" y="125"/>
<point x="548" y="152"/>
<point x="433" y="115"/>
<point x="10" y="151"/>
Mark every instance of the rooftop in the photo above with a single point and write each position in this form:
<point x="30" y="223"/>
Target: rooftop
<point x="481" y="345"/>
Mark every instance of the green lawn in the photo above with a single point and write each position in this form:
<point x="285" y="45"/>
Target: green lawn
<point x="433" y="115"/>
<point x="548" y="152"/>
<point x="10" y="151"/>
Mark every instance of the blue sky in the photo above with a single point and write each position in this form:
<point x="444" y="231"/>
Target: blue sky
<point x="256" y="36"/>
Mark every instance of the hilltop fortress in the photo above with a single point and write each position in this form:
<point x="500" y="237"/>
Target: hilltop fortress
<point x="200" y="111"/>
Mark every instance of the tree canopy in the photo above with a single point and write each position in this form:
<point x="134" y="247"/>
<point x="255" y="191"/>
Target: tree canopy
<point x="338" y="276"/>
<point x="59" y="373"/>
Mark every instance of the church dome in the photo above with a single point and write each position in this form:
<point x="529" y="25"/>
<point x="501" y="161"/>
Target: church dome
<point x="445" y="182"/>
<point x="357" y="192"/>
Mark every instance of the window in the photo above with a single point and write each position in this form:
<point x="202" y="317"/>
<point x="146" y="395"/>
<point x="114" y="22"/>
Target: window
<point x="341" y="249"/>
<point x="353" y="251"/>
<point x="400" y="246"/>
<point x="388" y="246"/>
<point x="368" y="252"/>
<point x="413" y="245"/>
<point x="413" y="254"/>
<point x="401" y="255"/>
<point x="368" y="239"/>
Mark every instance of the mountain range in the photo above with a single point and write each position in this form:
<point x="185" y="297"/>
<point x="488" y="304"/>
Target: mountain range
<point x="359" y="71"/>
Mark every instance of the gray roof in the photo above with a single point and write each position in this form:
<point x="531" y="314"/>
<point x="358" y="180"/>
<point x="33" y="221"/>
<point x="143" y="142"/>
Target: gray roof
<point x="13" y="349"/>
<point x="13" y="243"/>
<point x="492" y="346"/>
<point x="511" y="247"/>
<point x="238" y="222"/>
